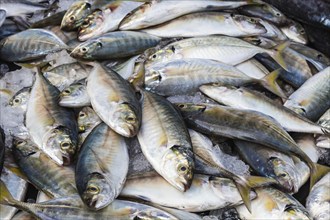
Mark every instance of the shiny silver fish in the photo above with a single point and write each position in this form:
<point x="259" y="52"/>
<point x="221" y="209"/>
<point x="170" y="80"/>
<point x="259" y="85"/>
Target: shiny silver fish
<point x="21" y="98"/>
<point x="75" y="15"/>
<point x="295" y="31"/>
<point x="208" y="23"/>
<point x="75" y="95"/>
<point x="87" y="120"/>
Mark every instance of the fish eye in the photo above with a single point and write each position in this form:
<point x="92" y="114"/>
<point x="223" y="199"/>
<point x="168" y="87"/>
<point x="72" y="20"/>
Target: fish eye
<point x="154" y="56"/>
<point x="282" y="175"/>
<point x="65" y="145"/>
<point x="20" y="143"/>
<point x="130" y="119"/>
<point x="278" y="14"/>
<point x="319" y="56"/>
<point x="253" y="20"/>
<point x="17" y="100"/>
<point x="92" y="189"/>
<point x="84" y="49"/>
<point x="182" y="106"/>
<point x="82" y="115"/>
<point x="182" y="168"/>
<point x="72" y="18"/>
<point x="66" y="91"/>
<point x="302" y="31"/>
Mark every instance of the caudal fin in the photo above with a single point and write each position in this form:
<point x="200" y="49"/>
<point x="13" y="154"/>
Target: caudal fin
<point x="5" y="197"/>
<point x="244" y="186"/>
<point x="269" y="82"/>
<point x="277" y="54"/>
<point x="317" y="172"/>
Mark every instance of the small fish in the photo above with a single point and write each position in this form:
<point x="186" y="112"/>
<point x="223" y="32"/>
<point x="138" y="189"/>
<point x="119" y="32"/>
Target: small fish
<point x="165" y="141"/>
<point x="21" y="98"/>
<point x="312" y="99"/>
<point x="209" y="23"/>
<point x="52" y="127"/>
<point x="75" y="15"/>
<point x="272" y="203"/>
<point x="214" y="191"/>
<point x="295" y="31"/>
<point x="29" y="45"/>
<point x="318" y="200"/>
<point x="87" y="120"/>
<point x="105" y="19"/>
<point x="102" y="167"/>
<point x="75" y="95"/>
<point x="114" y="45"/>
<point x="156" y="12"/>
<point x="114" y="100"/>
<point x="55" y="180"/>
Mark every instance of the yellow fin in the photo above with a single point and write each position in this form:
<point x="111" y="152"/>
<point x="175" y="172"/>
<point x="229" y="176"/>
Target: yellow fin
<point x="269" y="82"/>
<point x="5" y="197"/>
<point x="277" y="54"/>
<point x="317" y="173"/>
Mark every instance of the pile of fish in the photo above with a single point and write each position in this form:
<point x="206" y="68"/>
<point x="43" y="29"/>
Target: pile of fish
<point x="130" y="73"/>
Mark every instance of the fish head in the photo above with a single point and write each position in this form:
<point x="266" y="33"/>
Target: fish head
<point x="91" y="27"/>
<point x="97" y="192"/>
<point x="292" y="211"/>
<point x="20" y="99"/>
<point x="23" y="148"/>
<point x="87" y="49"/>
<point x="72" y="94"/>
<point x="189" y="110"/>
<point x="153" y="76"/>
<point x="248" y="24"/>
<point x="273" y="14"/>
<point x="296" y="32"/>
<point x="160" y="55"/>
<point x="135" y="19"/>
<point x="178" y="165"/>
<point x="59" y="145"/>
<point x="126" y="120"/>
<point x="286" y="174"/>
<point x="86" y="118"/>
<point x="75" y="15"/>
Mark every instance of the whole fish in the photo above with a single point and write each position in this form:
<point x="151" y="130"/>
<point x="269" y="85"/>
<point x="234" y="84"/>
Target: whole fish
<point x="30" y="44"/>
<point x="318" y="200"/>
<point x="165" y="141"/>
<point x="206" y="152"/>
<point x="208" y="23"/>
<point x="52" y="127"/>
<point x="87" y="120"/>
<point x="264" y="11"/>
<point x="244" y="98"/>
<point x="206" y="192"/>
<point x="21" y="98"/>
<point x="156" y="12"/>
<point x="270" y="163"/>
<point x="312" y="99"/>
<point x="53" y="179"/>
<point x="274" y="204"/>
<point x="114" y="100"/>
<point x="102" y="167"/>
<point x="75" y="15"/>
<point x="64" y="75"/>
<point x="225" y="49"/>
<point x="71" y="208"/>
<point x="105" y="19"/>
<point x="256" y="127"/>
<point x="295" y="31"/>
<point x="75" y="95"/>
<point x="175" y="77"/>
<point x="115" y="45"/>
<point x="323" y="140"/>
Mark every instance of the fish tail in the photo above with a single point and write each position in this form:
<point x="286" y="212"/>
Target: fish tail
<point x="269" y="82"/>
<point x="277" y="54"/>
<point x="5" y="197"/>
<point x="244" y="186"/>
<point x="317" y="172"/>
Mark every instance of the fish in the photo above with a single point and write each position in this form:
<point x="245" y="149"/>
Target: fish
<point x="204" y="150"/>
<point x="29" y="45"/>
<point x="2" y="149"/>
<point x="182" y="76"/>
<point x="66" y="74"/>
<point x="75" y="15"/>
<point x="318" y="200"/>
<point x="52" y="127"/>
<point x="225" y="49"/>
<point x="102" y="167"/>
<point x="272" y="203"/>
<point x="118" y="44"/>
<point x="295" y="31"/>
<point x="273" y="164"/>
<point x="256" y="127"/>
<point x="264" y="11"/>
<point x="323" y="140"/>
<point x="75" y="95"/>
<point x="178" y="213"/>
<point x="21" y="98"/>
<point x="206" y="192"/>
<point x="244" y="98"/>
<point x="87" y="121"/>
<point x="272" y="31"/>
<point x="209" y="23"/>
<point x="106" y="19"/>
<point x="312" y="99"/>
<point x="45" y="174"/>
<point x="71" y="207"/>
<point x="156" y="12"/>
<point x="52" y="20"/>
<point x="114" y="100"/>
<point x="165" y="141"/>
